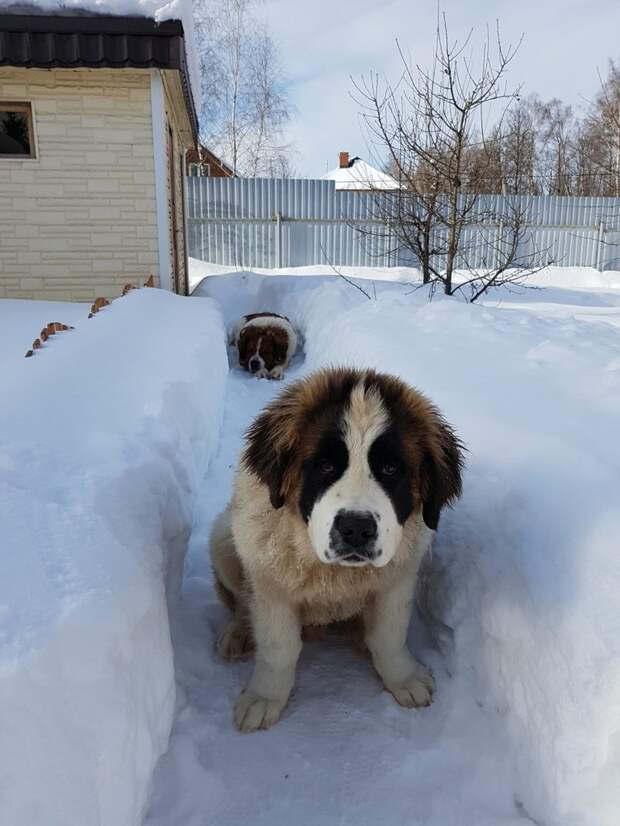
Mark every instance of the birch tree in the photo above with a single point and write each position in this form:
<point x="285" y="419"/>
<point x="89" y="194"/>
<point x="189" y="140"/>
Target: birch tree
<point x="245" y="106"/>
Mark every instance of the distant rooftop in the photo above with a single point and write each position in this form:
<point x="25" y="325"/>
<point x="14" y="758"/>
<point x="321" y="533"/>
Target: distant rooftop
<point x="354" y="173"/>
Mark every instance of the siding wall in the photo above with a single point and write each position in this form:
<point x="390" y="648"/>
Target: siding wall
<point x="79" y="221"/>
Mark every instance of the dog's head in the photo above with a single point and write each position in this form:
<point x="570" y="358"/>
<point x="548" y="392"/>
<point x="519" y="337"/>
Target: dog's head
<point x="356" y="454"/>
<point x="263" y="344"/>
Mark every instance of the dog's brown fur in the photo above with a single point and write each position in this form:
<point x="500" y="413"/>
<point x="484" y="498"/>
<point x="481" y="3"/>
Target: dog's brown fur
<point x="287" y="433"/>
<point x="274" y="341"/>
<point x="271" y="545"/>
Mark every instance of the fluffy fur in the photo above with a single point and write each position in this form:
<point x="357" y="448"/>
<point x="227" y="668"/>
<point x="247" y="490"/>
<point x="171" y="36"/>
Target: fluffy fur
<point x="339" y="489"/>
<point x="265" y="342"/>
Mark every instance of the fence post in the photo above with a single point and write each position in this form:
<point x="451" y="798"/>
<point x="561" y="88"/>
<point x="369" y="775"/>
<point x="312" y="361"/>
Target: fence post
<point x="278" y="240"/>
<point x="600" y="246"/>
<point x="499" y="237"/>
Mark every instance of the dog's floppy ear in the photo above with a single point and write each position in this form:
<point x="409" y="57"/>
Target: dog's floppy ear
<point x="441" y="471"/>
<point x="267" y="455"/>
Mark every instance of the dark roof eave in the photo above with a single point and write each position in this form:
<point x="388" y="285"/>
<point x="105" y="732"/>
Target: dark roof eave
<point x="96" y="41"/>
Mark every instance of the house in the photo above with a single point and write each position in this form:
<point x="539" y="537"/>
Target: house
<point x="203" y="163"/>
<point x="356" y="174"/>
<point x="96" y="117"/>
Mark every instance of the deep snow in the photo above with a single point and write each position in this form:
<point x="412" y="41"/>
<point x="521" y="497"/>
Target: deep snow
<point x="104" y="435"/>
<point x="104" y="438"/>
<point x="522" y="628"/>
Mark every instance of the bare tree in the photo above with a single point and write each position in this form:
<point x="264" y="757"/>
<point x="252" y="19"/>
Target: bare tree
<point x="431" y="124"/>
<point x="511" y="253"/>
<point x="600" y="137"/>
<point x="245" y="107"/>
<point x="556" y="125"/>
<point x="518" y="149"/>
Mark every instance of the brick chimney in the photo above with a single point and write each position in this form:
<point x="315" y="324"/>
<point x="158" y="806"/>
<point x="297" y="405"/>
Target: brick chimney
<point x="344" y="160"/>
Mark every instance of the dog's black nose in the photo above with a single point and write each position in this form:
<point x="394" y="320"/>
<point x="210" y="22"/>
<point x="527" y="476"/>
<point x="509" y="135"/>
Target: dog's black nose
<point x="357" y="530"/>
<point x="254" y="364"/>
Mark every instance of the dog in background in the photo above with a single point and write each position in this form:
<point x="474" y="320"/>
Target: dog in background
<point x="265" y="343"/>
<point x="339" y="490"/>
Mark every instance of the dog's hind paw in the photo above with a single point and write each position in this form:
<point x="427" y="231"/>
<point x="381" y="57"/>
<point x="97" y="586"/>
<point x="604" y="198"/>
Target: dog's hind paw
<point x="235" y="643"/>
<point x="254" y="713"/>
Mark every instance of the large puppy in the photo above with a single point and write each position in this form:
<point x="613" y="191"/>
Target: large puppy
<point x="265" y="343"/>
<point x="340" y="487"/>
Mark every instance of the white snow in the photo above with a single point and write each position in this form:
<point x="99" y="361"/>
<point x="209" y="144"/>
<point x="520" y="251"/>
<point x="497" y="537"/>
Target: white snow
<point x="524" y="581"/>
<point x="157" y="9"/>
<point x="111" y="450"/>
<point x="105" y="433"/>
<point x="581" y="279"/>
<point x="360" y="175"/>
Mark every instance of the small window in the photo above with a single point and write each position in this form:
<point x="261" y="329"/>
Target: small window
<point x="16" y="132"/>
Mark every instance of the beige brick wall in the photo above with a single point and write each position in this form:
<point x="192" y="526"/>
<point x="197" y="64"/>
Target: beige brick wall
<point x="79" y="221"/>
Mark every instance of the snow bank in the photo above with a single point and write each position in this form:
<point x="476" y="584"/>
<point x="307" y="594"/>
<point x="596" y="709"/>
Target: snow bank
<point x="566" y="278"/>
<point x="22" y="320"/>
<point x="157" y="9"/>
<point x="532" y="571"/>
<point x="527" y="570"/>
<point x="105" y="435"/>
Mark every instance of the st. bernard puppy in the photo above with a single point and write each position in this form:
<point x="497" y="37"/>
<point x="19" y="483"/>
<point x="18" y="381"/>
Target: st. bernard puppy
<point x="339" y="490"/>
<point x="265" y="343"/>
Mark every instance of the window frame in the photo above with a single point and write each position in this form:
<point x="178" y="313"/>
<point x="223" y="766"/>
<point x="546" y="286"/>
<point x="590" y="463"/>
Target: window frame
<point x="21" y="106"/>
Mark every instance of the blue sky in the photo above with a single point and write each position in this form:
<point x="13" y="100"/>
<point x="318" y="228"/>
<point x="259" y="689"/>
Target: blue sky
<point x="323" y="43"/>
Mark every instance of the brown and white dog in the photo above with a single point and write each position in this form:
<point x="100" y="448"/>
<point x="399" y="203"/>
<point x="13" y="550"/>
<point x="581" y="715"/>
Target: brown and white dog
<point x="265" y="342"/>
<point x="339" y="490"/>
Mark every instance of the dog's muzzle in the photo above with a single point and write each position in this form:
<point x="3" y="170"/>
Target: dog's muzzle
<point x="353" y="537"/>
<point x="254" y="364"/>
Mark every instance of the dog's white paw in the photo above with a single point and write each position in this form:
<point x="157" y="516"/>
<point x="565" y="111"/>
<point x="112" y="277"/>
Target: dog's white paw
<point x="235" y="643"/>
<point x="276" y="372"/>
<point x="416" y="690"/>
<point x="254" y="713"/>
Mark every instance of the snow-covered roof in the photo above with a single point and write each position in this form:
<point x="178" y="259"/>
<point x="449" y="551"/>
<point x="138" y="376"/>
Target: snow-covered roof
<point x="361" y="175"/>
<point x="157" y="10"/>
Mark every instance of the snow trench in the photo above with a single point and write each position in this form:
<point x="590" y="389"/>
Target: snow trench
<point x="522" y="622"/>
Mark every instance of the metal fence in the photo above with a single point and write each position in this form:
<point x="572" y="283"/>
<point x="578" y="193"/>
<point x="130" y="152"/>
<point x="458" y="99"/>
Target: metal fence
<point x="264" y="222"/>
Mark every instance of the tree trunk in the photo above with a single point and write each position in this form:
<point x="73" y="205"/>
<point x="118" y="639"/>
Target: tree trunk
<point x="455" y="184"/>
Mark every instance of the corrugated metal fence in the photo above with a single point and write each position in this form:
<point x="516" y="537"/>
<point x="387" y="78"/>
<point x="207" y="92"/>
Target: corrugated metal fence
<point x="264" y="222"/>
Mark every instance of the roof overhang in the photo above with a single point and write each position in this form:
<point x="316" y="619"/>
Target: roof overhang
<point x="96" y="41"/>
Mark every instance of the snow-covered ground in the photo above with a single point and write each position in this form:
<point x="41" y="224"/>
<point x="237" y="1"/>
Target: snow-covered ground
<point x="104" y="435"/>
<point x="581" y="279"/>
<point x="524" y="627"/>
<point x="111" y="448"/>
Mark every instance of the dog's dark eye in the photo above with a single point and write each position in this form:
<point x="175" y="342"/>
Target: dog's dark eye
<point x="326" y="467"/>
<point x="389" y="469"/>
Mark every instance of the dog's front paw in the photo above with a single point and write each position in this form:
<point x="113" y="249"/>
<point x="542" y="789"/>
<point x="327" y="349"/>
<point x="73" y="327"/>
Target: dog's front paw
<point x="254" y="713"/>
<point x="416" y="690"/>
<point x="276" y="373"/>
